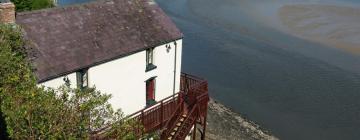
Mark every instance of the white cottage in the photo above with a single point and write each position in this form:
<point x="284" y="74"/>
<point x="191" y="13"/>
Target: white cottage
<point x="127" y="48"/>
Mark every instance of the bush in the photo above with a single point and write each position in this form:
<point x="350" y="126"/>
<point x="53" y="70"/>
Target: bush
<point x="28" y="5"/>
<point x="33" y="112"/>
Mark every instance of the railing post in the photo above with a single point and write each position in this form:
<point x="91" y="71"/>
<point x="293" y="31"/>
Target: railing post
<point x="180" y="97"/>
<point x="181" y="104"/>
<point x="142" y="119"/>
<point x="162" y="114"/>
<point x="194" y="132"/>
<point x="186" y="87"/>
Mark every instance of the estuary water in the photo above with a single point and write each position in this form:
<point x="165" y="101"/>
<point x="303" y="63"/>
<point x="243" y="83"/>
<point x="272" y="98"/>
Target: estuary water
<point x="71" y="2"/>
<point x="296" y="88"/>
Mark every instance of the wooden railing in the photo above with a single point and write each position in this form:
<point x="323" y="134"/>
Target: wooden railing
<point x="157" y="115"/>
<point x="193" y="87"/>
<point x="196" y="99"/>
<point x="192" y="82"/>
<point x="163" y="114"/>
<point x="172" y="121"/>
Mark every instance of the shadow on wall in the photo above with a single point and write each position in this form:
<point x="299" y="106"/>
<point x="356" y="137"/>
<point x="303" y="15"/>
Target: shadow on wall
<point x="3" y="133"/>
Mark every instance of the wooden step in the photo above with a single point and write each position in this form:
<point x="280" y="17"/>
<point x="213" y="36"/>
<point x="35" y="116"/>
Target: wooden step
<point x="182" y="119"/>
<point x="170" y="138"/>
<point x="172" y="133"/>
<point x="184" y="115"/>
<point x="178" y="124"/>
<point x="176" y="128"/>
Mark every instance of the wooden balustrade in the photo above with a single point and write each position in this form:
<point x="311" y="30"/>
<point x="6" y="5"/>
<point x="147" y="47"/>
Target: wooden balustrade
<point x="163" y="114"/>
<point x="155" y="116"/>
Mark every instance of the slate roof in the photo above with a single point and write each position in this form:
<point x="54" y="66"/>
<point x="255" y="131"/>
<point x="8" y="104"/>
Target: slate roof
<point x="66" y="39"/>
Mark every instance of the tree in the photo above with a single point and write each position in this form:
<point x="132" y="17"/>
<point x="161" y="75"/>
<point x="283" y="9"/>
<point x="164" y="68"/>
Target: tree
<point x="28" y="5"/>
<point x="33" y="112"/>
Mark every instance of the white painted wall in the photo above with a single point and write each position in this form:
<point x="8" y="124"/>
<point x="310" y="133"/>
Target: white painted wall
<point x="57" y="82"/>
<point x="125" y="77"/>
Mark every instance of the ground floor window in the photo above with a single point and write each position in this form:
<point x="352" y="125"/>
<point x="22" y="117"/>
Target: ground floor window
<point x="150" y="92"/>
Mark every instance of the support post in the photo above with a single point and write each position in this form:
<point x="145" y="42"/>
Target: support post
<point x="194" y="132"/>
<point x="162" y="114"/>
<point x="142" y="120"/>
<point x="204" y="125"/>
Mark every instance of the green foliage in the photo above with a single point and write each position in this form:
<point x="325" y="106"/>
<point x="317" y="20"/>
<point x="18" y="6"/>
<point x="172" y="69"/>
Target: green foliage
<point x="41" y="4"/>
<point x="28" y="5"/>
<point x="33" y="112"/>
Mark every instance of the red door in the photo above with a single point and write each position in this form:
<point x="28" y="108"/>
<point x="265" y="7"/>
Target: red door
<point x="150" y="92"/>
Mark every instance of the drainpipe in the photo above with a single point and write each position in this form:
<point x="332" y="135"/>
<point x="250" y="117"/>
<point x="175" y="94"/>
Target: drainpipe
<point x="175" y="67"/>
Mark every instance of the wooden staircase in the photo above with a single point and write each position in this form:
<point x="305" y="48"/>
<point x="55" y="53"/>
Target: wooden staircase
<point x="176" y="129"/>
<point x="182" y="123"/>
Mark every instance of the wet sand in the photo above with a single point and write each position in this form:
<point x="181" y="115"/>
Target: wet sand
<point x="336" y="26"/>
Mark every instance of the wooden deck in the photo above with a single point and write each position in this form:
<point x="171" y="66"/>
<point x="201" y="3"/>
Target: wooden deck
<point x="165" y="115"/>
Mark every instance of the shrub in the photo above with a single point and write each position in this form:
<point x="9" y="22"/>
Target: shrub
<point x="33" y="112"/>
<point x="28" y="5"/>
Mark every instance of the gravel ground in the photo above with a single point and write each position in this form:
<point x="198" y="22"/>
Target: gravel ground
<point x="224" y="124"/>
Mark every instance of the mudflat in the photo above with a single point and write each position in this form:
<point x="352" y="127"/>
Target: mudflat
<point x="336" y="26"/>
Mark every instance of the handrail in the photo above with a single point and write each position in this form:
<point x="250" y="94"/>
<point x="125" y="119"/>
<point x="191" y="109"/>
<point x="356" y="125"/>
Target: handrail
<point x="187" y="119"/>
<point x="172" y="117"/>
<point x="163" y="101"/>
<point x="195" y="111"/>
<point x="193" y="78"/>
<point x="148" y="107"/>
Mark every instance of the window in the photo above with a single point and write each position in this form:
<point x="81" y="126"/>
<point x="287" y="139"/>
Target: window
<point x="82" y="78"/>
<point x="150" y="59"/>
<point x="150" y="92"/>
<point x="150" y="56"/>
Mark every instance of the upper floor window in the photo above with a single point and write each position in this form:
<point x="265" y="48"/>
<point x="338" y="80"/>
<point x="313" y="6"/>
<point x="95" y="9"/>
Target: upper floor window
<point x="82" y="78"/>
<point x="150" y="59"/>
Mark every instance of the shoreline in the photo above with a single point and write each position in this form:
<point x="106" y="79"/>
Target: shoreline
<point x="224" y="124"/>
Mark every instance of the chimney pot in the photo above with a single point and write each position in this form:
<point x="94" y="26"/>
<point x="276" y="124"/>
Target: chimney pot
<point x="7" y="12"/>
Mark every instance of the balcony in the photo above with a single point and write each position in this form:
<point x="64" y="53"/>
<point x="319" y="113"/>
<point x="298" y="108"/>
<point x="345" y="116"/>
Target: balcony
<point x="176" y="115"/>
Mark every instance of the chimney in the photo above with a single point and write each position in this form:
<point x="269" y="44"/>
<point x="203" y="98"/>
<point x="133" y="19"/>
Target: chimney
<point x="7" y="12"/>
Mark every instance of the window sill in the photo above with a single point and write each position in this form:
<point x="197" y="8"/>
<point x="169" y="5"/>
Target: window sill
<point x="150" y="102"/>
<point x="150" y="67"/>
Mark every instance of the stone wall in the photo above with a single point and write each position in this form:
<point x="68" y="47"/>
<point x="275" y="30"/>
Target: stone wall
<point x="7" y="12"/>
